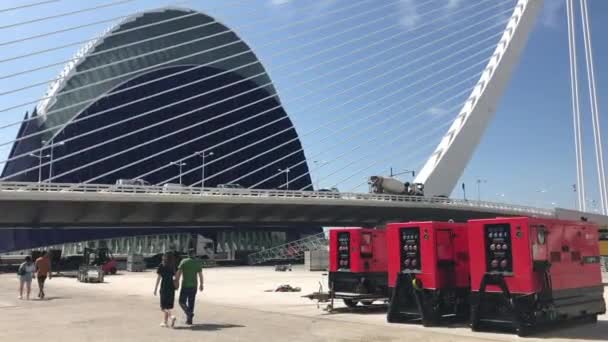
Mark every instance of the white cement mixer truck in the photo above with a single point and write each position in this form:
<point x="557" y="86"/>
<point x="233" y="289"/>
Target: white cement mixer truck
<point x="388" y="185"/>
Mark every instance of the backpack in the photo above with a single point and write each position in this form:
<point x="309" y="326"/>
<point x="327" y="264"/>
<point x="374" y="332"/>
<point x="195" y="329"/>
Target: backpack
<point x="21" y="270"/>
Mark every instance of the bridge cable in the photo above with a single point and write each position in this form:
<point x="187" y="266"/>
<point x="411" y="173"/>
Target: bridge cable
<point x="399" y="128"/>
<point x="149" y="157"/>
<point x="292" y="141"/>
<point x="43" y="148"/>
<point x="182" y="86"/>
<point x="595" y="115"/>
<point x="66" y="14"/>
<point x="375" y="101"/>
<point x="85" y="165"/>
<point x="132" y="87"/>
<point x="576" y="112"/>
<point x="171" y="33"/>
<point x="2" y="10"/>
<point x="144" y="54"/>
<point x="99" y="22"/>
<point x="288" y="167"/>
<point x="403" y="101"/>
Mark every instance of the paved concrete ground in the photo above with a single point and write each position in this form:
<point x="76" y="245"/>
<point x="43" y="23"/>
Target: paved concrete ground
<point x="234" y="307"/>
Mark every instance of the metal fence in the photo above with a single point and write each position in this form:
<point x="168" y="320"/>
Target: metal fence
<point x="152" y="190"/>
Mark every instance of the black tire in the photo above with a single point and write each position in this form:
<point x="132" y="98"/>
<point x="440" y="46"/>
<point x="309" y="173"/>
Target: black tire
<point x="351" y="303"/>
<point x="522" y="331"/>
<point x="592" y="319"/>
<point x="431" y="321"/>
<point x="113" y="270"/>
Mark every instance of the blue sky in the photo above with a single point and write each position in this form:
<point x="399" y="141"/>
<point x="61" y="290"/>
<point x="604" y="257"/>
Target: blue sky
<point x="331" y="60"/>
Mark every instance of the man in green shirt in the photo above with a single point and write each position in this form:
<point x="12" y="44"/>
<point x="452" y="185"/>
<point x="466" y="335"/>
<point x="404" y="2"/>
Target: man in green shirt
<point x="189" y="268"/>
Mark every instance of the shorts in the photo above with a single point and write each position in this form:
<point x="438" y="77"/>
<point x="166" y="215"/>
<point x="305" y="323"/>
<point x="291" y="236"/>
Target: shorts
<point x="26" y="278"/>
<point x="167" y="300"/>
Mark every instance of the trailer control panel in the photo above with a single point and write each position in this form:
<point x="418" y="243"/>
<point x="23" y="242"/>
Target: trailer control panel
<point x="498" y="248"/>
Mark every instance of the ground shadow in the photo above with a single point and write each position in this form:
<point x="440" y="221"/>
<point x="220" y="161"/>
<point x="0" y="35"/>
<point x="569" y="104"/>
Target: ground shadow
<point x="577" y="331"/>
<point x="49" y="298"/>
<point x="363" y="310"/>
<point x="574" y="330"/>
<point x="208" y="327"/>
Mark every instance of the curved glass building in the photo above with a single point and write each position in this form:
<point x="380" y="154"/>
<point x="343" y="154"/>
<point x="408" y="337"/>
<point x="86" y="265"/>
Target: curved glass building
<point x="157" y="89"/>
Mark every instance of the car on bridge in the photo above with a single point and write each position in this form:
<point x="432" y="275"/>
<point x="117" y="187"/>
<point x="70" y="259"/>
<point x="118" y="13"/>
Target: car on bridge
<point x="173" y="188"/>
<point x="132" y="182"/>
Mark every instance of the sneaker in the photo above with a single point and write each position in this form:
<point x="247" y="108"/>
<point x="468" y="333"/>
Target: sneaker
<point x="163" y="325"/>
<point x="20" y="297"/>
<point x="173" y="318"/>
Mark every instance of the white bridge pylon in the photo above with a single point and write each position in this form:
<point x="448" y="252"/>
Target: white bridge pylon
<point x="447" y="163"/>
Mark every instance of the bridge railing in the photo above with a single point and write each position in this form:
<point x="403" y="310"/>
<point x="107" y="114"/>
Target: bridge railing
<point x="261" y="194"/>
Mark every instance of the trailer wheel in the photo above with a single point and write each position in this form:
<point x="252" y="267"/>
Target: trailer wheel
<point x="351" y="303"/>
<point x="591" y="319"/>
<point x="522" y="330"/>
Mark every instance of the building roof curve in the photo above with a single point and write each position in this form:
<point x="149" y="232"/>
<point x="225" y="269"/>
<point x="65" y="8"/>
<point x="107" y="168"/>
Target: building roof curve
<point x="139" y="44"/>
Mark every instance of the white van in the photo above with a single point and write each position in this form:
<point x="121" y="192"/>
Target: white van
<point x="173" y="188"/>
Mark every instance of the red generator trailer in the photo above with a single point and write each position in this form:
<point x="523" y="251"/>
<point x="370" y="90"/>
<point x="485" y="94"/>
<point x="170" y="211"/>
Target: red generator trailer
<point x="358" y="265"/>
<point x="530" y="272"/>
<point x="428" y="272"/>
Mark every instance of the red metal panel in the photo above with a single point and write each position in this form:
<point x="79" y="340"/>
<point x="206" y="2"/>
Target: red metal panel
<point x="445" y="246"/>
<point x="443" y="253"/>
<point x="571" y="249"/>
<point x="366" y="249"/>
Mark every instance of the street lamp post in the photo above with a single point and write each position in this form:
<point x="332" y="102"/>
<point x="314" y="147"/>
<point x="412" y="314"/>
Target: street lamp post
<point x="203" y="154"/>
<point x="464" y="191"/>
<point x="286" y="171"/>
<point x="39" y="156"/>
<point x="576" y="206"/>
<point x="402" y="173"/>
<point x="317" y="163"/>
<point x="62" y="143"/>
<point x="180" y="164"/>
<point x="479" y="181"/>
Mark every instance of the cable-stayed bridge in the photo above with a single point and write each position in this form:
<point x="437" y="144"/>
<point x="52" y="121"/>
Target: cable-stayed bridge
<point x="183" y="106"/>
<point x="78" y="205"/>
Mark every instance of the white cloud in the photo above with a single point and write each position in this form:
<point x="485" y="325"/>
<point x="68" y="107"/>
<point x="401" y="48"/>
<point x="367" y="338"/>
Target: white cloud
<point x="322" y="5"/>
<point x="409" y="13"/>
<point x="553" y="13"/>
<point x="279" y="2"/>
<point x="319" y="6"/>
<point x="436" y="111"/>
<point x="453" y="4"/>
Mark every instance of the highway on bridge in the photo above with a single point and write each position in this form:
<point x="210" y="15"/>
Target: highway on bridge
<point x="32" y="205"/>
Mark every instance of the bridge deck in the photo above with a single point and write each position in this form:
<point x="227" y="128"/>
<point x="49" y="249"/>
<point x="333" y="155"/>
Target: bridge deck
<point x="44" y="205"/>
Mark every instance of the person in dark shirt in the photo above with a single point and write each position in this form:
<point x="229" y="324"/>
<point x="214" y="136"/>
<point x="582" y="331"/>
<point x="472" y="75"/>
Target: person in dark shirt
<point x="167" y="290"/>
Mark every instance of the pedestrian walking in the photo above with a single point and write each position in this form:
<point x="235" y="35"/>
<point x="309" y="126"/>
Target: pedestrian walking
<point x="187" y="271"/>
<point x="166" y="280"/>
<point x="26" y="272"/>
<point x="43" y="271"/>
